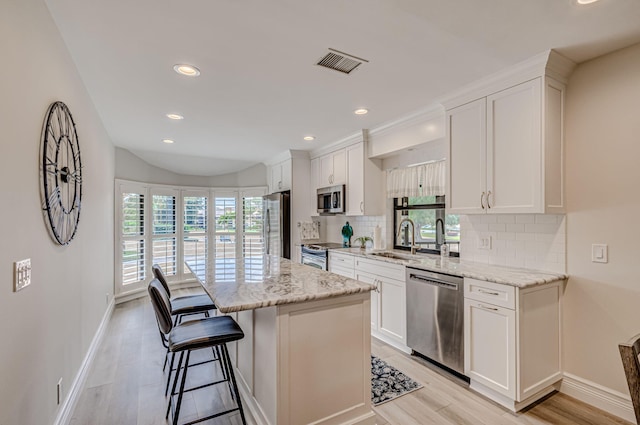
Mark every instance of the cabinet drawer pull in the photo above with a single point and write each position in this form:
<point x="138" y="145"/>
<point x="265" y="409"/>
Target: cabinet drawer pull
<point x="488" y="199"/>
<point x="362" y="206"/>
<point x="482" y="291"/>
<point x="487" y="308"/>
<point x="482" y="200"/>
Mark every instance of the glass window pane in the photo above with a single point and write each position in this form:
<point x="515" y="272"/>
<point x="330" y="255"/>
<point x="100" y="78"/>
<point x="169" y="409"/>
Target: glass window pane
<point x="164" y="215"/>
<point x="195" y="252"/>
<point x="164" y="254"/>
<point x="132" y="261"/>
<point x="225" y="210"/>
<point x="225" y="260"/>
<point x="252" y="240"/>
<point x="195" y="214"/>
<point x="132" y="214"/>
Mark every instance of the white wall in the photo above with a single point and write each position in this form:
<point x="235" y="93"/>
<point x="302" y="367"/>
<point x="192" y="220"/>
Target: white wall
<point x="602" y="301"/>
<point x="131" y="167"/>
<point x="48" y="326"/>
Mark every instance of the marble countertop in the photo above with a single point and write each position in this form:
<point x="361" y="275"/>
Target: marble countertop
<point x="254" y="282"/>
<point x="520" y="278"/>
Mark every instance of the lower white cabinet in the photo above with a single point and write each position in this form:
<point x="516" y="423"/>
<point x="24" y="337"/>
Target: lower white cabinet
<point x="388" y="300"/>
<point x="341" y="264"/>
<point x="512" y="340"/>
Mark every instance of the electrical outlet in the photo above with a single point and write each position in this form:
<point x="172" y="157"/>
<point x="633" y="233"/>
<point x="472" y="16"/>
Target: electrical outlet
<point x="59" y="391"/>
<point x="21" y="274"/>
<point x="484" y="243"/>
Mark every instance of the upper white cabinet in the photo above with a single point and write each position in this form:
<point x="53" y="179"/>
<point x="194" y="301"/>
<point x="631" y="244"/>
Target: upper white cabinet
<point x="280" y="176"/>
<point x="364" y="183"/>
<point x="333" y="169"/>
<point x="506" y="144"/>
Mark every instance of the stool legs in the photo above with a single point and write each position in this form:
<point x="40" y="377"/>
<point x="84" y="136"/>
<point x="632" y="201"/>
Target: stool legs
<point x="229" y="376"/>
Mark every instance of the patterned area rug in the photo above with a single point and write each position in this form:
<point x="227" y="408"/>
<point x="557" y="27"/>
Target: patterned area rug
<point x="388" y="383"/>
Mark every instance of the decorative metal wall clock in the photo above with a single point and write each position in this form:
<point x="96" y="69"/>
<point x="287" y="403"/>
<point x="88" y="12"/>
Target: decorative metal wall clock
<point x="61" y="173"/>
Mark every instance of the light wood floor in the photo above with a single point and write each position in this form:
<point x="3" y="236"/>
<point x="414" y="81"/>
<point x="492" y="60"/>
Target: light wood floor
<point x="126" y="386"/>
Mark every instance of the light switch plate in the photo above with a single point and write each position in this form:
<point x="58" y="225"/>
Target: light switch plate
<point x="21" y="274"/>
<point x="599" y="253"/>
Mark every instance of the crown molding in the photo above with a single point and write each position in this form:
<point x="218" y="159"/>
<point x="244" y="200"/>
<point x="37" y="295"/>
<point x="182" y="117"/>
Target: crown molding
<point x="433" y="111"/>
<point x="342" y="143"/>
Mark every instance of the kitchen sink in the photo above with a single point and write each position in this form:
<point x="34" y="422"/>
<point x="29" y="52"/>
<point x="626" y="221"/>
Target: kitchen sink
<point x="393" y="255"/>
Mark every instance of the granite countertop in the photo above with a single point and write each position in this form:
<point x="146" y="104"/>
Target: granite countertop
<point x="520" y="278"/>
<point x="255" y="282"/>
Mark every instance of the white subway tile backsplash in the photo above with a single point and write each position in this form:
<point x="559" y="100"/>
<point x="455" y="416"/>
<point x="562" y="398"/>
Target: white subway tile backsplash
<point x="525" y="218"/>
<point x="536" y="241"/>
<point x="515" y="227"/>
<point x="506" y="218"/>
<point x="497" y="227"/>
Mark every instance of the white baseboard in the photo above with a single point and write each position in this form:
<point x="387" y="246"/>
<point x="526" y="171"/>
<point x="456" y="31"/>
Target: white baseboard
<point x="604" y="398"/>
<point x="69" y="403"/>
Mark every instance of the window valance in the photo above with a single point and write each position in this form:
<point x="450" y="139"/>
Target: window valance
<point x="419" y="180"/>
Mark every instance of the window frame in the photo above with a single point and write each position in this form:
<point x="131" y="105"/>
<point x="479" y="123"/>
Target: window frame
<point x="440" y="205"/>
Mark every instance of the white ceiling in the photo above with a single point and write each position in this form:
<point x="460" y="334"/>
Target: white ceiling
<point x="260" y="91"/>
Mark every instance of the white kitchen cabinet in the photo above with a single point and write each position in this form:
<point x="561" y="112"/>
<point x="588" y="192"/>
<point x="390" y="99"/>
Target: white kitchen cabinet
<point x="364" y="195"/>
<point x="505" y="151"/>
<point x="342" y="264"/>
<point x="280" y="176"/>
<point x="388" y="300"/>
<point x="512" y="340"/>
<point x="333" y="169"/>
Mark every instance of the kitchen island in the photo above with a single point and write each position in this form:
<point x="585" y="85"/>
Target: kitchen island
<point x="305" y="357"/>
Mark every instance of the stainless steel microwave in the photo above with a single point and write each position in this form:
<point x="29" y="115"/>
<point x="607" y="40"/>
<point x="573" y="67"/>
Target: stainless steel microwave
<point x="331" y="200"/>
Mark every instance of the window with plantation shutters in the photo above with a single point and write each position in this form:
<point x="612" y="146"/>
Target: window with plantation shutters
<point x="132" y="249"/>
<point x="163" y="239"/>
<point x="209" y="228"/>
<point x="225" y="237"/>
<point x="195" y="227"/>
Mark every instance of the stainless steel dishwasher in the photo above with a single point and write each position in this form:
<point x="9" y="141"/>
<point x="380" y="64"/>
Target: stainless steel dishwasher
<point x="435" y="312"/>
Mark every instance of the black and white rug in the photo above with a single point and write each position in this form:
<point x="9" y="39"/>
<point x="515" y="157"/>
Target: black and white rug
<point x="388" y="383"/>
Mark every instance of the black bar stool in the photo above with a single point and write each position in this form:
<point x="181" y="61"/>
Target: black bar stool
<point x="193" y="335"/>
<point x="180" y="307"/>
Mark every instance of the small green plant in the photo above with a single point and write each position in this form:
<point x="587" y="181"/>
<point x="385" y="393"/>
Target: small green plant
<point x="362" y="240"/>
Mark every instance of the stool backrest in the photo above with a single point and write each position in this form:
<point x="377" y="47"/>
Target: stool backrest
<point x="157" y="272"/>
<point x="161" y="305"/>
<point x="629" y="353"/>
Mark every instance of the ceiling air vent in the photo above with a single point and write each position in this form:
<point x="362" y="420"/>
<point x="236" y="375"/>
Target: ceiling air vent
<point x="340" y="61"/>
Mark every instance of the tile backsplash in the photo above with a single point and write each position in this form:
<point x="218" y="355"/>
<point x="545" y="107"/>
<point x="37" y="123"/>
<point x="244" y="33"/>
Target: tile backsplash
<point x="362" y="226"/>
<point x="532" y="241"/>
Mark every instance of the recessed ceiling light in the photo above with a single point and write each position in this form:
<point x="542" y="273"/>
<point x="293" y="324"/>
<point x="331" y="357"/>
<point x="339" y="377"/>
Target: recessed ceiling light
<point x="175" y="117"/>
<point x="309" y="138"/>
<point x="360" y="111"/>
<point x="168" y="141"/>
<point x="586" y="1"/>
<point x="188" y="70"/>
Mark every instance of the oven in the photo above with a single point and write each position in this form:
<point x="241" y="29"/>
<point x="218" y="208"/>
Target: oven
<point x="314" y="257"/>
<point x="317" y="254"/>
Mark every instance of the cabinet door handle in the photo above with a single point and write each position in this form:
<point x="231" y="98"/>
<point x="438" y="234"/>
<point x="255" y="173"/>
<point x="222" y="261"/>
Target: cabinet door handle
<point x="488" y="199"/>
<point x="279" y="185"/>
<point x="482" y="200"/>
<point x="488" y="292"/>
<point x="361" y="206"/>
<point x="482" y="306"/>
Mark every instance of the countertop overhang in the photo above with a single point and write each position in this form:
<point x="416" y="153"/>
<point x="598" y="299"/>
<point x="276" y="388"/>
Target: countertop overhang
<point x="517" y="277"/>
<point x="255" y="282"/>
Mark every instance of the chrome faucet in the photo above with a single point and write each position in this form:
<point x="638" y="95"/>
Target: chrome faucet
<point x="413" y="233"/>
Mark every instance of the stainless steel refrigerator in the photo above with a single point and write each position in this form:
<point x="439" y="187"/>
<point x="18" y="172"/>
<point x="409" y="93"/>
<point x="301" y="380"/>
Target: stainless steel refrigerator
<point x="277" y="226"/>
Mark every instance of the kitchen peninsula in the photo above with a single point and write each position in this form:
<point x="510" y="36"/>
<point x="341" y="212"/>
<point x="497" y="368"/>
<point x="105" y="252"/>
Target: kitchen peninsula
<point x="305" y="357"/>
